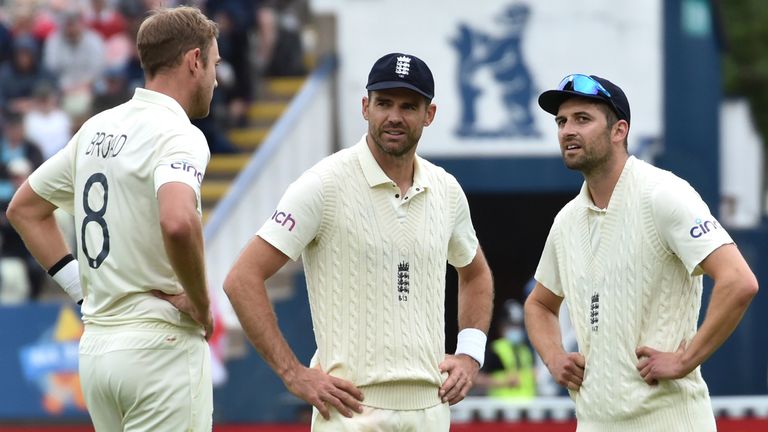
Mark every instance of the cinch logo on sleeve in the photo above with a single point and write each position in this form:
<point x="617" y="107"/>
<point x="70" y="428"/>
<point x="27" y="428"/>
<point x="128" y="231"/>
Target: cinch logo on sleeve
<point x="282" y="218"/>
<point x="187" y="167"/>
<point x="702" y="228"/>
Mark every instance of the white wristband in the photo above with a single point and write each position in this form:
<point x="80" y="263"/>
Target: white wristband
<point x="68" y="277"/>
<point x="471" y="342"/>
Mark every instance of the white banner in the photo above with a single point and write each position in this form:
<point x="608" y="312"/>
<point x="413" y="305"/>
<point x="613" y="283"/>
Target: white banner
<point x="491" y="60"/>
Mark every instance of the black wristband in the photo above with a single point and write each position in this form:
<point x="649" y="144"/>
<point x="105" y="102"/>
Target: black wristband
<point x="60" y="264"/>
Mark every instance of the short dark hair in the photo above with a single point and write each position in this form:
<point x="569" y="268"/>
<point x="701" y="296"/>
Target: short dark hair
<point x="168" y="33"/>
<point x="610" y="117"/>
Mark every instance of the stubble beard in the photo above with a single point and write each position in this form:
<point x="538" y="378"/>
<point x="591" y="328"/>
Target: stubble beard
<point x="587" y="164"/>
<point x="592" y="160"/>
<point x="395" y="151"/>
<point x="201" y="104"/>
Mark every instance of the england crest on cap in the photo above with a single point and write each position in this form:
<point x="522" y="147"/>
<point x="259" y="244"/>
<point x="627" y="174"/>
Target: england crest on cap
<point x="402" y="66"/>
<point x="398" y="70"/>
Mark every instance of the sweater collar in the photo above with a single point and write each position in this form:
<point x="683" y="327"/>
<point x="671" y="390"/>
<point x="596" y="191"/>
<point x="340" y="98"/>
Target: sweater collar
<point x="377" y="177"/>
<point x="586" y="200"/>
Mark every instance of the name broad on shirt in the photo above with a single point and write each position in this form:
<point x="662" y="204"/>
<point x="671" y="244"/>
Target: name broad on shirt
<point x="106" y="145"/>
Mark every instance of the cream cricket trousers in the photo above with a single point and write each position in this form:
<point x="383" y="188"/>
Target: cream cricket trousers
<point x="433" y="419"/>
<point x="153" y="378"/>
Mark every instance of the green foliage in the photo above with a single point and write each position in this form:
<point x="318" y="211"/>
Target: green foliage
<point x="745" y="61"/>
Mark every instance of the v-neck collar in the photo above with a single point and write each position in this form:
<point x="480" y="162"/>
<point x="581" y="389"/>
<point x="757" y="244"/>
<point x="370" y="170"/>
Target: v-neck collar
<point x="610" y="215"/>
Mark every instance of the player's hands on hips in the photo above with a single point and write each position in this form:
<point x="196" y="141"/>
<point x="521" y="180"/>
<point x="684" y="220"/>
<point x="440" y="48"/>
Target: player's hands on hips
<point x="182" y="303"/>
<point x="324" y="391"/>
<point x="567" y="368"/>
<point x="658" y="365"/>
<point x="462" y="370"/>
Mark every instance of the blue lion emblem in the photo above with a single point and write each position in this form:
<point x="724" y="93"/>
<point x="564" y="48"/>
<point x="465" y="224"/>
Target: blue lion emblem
<point x="503" y="56"/>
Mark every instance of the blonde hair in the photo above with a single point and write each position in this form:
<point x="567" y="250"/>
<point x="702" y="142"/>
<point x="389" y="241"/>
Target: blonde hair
<point x="168" y="33"/>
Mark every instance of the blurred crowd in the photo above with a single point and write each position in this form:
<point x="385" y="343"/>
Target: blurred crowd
<point x="62" y="61"/>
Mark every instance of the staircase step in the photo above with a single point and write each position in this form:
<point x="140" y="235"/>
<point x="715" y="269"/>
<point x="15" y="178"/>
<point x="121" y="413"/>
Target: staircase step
<point x="262" y="115"/>
<point x="214" y="190"/>
<point x="248" y="138"/>
<point x="284" y="87"/>
<point x="266" y="111"/>
<point x="227" y="165"/>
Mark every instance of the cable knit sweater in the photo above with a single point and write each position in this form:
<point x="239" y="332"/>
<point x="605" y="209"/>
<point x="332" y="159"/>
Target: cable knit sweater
<point x="640" y="286"/>
<point x="375" y="268"/>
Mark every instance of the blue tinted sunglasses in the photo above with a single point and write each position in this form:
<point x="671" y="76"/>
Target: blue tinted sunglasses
<point x="589" y="86"/>
<point x="583" y="84"/>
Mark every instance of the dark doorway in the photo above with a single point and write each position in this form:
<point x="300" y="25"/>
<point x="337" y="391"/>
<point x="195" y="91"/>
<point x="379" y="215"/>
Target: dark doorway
<point x="512" y="229"/>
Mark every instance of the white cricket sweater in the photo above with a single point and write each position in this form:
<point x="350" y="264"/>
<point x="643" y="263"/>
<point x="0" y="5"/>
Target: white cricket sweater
<point x="375" y="269"/>
<point x="640" y="287"/>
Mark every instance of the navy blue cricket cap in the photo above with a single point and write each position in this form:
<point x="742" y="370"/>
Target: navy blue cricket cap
<point x="590" y="87"/>
<point x="397" y="70"/>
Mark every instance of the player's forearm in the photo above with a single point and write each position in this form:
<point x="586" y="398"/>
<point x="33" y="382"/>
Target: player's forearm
<point x="729" y="301"/>
<point x="543" y="329"/>
<point x="32" y="217"/>
<point x="44" y="240"/>
<point x="476" y="295"/>
<point x="248" y="296"/>
<point x="183" y="242"/>
<point x="476" y="303"/>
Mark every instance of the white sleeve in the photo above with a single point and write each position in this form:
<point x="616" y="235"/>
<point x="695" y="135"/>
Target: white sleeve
<point x="462" y="246"/>
<point x="548" y="270"/>
<point x="296" y="220"/>
<point x="685" y="225"/>
<point x="183" y="159"/>
<point x="54" y="180"/>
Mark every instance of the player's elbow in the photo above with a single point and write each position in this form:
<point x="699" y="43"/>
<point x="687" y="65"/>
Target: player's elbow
<point x="530" y="309"/>
<point x="741" y="287"/>
<point x="14" y="214"/>
<point x="19" y="213"/>
<point x="748" y="288"/>
<point x="178" y="227"/>
<point x="230" y="285"/>
<point x="238" y="281"/>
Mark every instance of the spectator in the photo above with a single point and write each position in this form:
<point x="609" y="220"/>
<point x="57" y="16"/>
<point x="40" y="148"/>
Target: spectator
<point x="105" y="20"/>
<point x="15" y="286"/>
<point x="287" y="54"/>
<point x="46" y="123"/>
<point x="13" y="145"/>
<point x="76" y="54"/>
<point x="114" y="29"/>
<point x="235" y="88"/>
<point x="27" y="18"/>
<point x="18" y="157"/>
<point x="112" y="89"/>
<point x="134" y="13"/>
<point x="20" y="76"/>
<point x="508" y="372"/>
<point x="6" y="43"/>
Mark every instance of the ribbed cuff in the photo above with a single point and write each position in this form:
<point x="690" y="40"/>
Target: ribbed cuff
<point x="471" y="342"/>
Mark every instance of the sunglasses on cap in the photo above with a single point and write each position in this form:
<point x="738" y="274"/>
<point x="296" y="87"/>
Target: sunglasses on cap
<point x="583" y="84"/>
<point x="588" y="86"/>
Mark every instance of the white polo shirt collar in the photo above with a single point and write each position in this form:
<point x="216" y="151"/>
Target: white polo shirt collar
<point x="376" y="176"/>
<point x="157" y="98"/>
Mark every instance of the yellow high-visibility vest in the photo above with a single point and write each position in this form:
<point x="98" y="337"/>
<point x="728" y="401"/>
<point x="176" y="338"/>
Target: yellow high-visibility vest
<point x="518" y="361"/>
